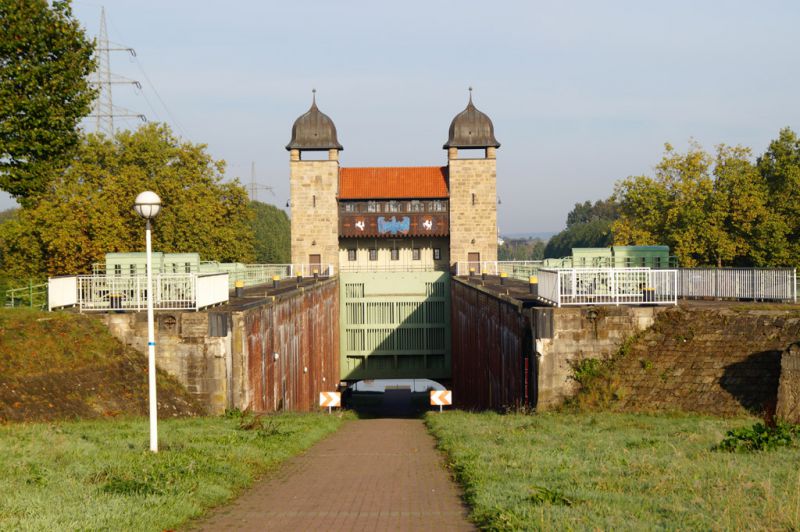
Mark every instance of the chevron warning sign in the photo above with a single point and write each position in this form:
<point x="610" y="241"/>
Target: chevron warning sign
<point x="330" y="399"/>
<point x="441" y="397"/>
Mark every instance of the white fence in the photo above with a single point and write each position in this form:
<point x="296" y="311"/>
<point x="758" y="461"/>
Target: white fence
<point x="608" y="286"/>
<point x="518" y="269"/>
<point x="774" y="284"/>
<point x="175" y="291"/>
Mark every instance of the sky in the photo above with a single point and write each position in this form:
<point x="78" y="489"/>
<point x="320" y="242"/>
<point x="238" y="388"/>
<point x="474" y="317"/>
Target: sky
<point x="581" y="93"/>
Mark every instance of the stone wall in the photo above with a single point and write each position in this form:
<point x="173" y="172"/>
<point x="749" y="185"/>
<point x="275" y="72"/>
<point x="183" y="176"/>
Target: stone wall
<point x="473" y="220"/>
<point x="581" y="333"/>
<point x="239" y="369"/>
<point x="314" y="186"/>
<point x="788" y="407"/>
<point x="716" y="360"/>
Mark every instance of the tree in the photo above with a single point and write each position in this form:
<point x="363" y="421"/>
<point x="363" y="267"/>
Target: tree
<point x="521" y="249"/>
<point x="710" y="210"/>
<point x="588" y="226"/>
<point x="674" y="208"/>
<point x="780" y="168"/>
<point x="89" y="209"/>
<point x="45" y="61"/>
<point x="272" y="234"/>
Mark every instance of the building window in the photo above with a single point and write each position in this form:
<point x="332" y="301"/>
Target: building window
<point x="118" y="270"/>
<point x="393" y="206"/>
<point x="415" y="254"/>
<point x="373" y="254"/>
<point x="395" y="254"/>
<point x="132" y="269"/>
<point x="372" y="206"/>
<point x="416" y="206"/>
<point x="437" y="254"/>
<point x="437" y="206"/>
<point x="351" y="255"/>
<point x="349" y="207"/>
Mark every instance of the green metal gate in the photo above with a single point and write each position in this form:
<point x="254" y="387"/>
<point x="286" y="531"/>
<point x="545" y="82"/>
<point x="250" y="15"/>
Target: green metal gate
<point x="395" y="325"/>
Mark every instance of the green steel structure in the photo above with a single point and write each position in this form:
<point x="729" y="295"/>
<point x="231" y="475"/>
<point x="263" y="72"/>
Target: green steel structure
<point x="395" y="325"/>
<point x="616" y="257"/>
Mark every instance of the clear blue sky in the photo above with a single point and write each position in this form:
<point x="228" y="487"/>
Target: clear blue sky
<point x="581" y="93"/>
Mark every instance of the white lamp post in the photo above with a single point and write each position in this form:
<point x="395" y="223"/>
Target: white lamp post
<point x="147" y="205"/>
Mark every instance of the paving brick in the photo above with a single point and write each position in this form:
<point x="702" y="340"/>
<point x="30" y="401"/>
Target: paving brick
<point x="377" y="474"/>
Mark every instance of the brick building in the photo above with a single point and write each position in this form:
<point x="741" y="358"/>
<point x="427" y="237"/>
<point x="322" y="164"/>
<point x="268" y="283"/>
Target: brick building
<point x="421" y="217"/>
<point x="393" y="234"/>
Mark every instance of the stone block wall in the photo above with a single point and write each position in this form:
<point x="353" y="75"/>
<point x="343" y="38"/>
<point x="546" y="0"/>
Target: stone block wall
<point x="184" y="350"/>
<point x="788" y="407"/>
<point x="581" y="333"/>
<point x="716" y="360"/>
<point x="314" y="187"/>
<point x="468" y="220"/>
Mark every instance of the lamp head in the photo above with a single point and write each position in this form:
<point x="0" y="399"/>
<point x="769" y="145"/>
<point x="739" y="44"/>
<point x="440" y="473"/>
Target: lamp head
<point x="147" y="205"/>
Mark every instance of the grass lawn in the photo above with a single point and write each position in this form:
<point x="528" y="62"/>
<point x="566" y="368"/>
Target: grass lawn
<point x="615" y="472"/>
<point x="100" y="474"/>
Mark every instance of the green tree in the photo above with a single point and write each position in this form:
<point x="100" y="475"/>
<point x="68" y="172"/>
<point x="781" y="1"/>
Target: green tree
<point x="780" y="168"/>
<point x="89" y="209"/>
<point x="521" y="249"/>
<point x="588" y="226"/>
<point x="45" y="61"/>
<point x="272" y="234"/>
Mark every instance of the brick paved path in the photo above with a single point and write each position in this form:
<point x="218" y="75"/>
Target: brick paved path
<point x="376" y="474"/>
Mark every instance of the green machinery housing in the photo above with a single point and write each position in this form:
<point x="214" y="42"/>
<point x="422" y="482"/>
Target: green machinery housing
<point x="394" y="325"/>
<point x="616" y="257"/>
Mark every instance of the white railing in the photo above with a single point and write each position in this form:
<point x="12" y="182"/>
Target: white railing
<point x="212" y="289"/>
<point x="518" y="269"/>
<point x="62" y="291"/>
<point x="309" y="270"/>
<point x="174" y="291"/>
<point x="764" y="284"/>
<point x="608" y="286"/>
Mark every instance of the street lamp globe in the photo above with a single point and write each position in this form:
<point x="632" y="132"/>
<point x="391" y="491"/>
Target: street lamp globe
<point x="147" y="205"/>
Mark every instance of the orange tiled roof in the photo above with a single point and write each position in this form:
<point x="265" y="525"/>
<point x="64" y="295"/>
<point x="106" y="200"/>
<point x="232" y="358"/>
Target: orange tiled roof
<point x="393" y="182"/>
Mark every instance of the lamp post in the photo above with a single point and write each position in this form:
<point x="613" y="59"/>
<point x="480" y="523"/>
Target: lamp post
<point x="147" y="205"/>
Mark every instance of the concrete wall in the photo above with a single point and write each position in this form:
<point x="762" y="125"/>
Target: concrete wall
<point x="239" y="369"/>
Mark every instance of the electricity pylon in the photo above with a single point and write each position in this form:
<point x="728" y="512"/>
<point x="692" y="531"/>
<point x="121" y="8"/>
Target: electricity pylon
<point x="104" y="109"/>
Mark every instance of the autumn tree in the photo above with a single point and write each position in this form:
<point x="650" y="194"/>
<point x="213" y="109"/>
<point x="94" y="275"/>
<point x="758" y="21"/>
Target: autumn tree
<point x="711" y="210"/>
<point x="88" y="210"/>
<point x="45" y="61"/>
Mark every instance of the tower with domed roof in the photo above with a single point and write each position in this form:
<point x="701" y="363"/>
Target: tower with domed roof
<point x="472" y="171"/>
<point x="314" y="187"/>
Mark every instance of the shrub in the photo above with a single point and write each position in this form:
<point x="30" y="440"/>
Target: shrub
<point x="759" y="437"/>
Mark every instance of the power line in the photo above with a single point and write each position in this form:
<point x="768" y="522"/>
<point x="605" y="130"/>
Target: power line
<point x="255" y="187"/>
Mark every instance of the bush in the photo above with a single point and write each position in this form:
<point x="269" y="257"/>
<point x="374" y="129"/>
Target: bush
<point x="759" y="437"/>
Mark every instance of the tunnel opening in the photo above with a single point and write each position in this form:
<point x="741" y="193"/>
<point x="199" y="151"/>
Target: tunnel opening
<point x="390" y="397"/>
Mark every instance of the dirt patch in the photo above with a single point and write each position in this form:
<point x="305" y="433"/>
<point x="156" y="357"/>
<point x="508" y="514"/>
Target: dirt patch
<point x="67" y="366"/>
